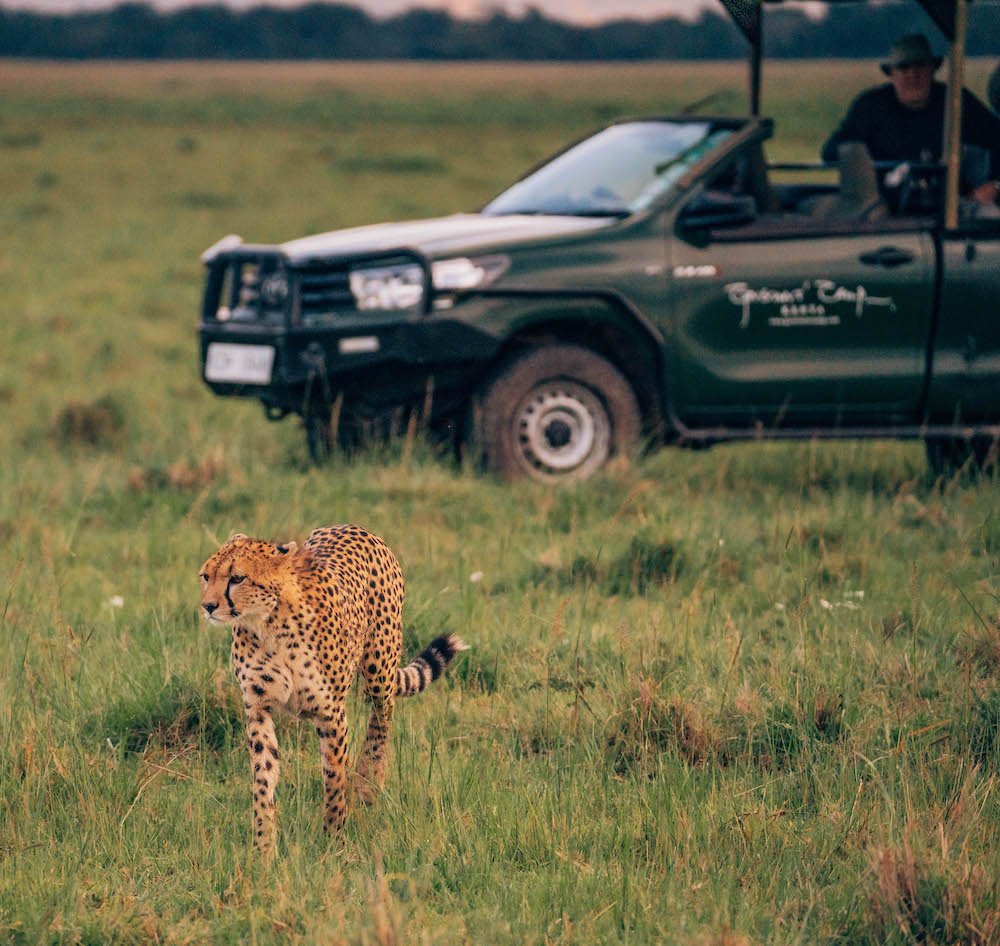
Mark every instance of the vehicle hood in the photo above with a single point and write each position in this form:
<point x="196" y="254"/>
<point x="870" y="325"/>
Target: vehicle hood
<point x="460" y="233"/>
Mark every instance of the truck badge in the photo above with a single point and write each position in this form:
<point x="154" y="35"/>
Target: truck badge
<point x="817" y="302"/>
<point x="691" y="271"/>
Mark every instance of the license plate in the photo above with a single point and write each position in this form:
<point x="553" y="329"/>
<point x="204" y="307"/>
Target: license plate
<point x="244" y="364"/>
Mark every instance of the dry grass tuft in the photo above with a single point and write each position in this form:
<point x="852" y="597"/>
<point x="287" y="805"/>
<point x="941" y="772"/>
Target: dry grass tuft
<point x="651" y="725"/>
<point x="97" y="423"/>
<point x="828" y="715"/>
<point x="646" y="564"/>
<point x="931" y="893"/>
<point x="981" y="735"/>
<point x="180" y="475"/>
<point x="725" y="937"/>
<point x="980" y="649"/>
<point x="749" y="732"/>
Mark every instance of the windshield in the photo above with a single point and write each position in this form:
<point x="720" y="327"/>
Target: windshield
<point x="617" y="172"/>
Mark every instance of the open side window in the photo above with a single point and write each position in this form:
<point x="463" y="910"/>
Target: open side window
<point x="735" y="196"/>
<point x="748" y="200"/>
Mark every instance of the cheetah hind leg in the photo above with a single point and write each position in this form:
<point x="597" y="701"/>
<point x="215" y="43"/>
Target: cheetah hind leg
<point x="383" y="687"/>
<point x="332" y="732"/>
<point x="369" y="776"/>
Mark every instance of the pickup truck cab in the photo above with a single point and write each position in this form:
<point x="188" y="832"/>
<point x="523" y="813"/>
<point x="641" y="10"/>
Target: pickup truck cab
<point x="655" y="282"/>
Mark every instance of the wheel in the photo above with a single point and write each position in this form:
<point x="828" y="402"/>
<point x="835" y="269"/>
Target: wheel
<point x="946" y="455"/>
<point x="556" y="414"/>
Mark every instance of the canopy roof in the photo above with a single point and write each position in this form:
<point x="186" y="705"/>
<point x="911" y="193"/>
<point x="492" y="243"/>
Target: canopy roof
<point x="951" y="18"/>
<point x="746" y="15"/>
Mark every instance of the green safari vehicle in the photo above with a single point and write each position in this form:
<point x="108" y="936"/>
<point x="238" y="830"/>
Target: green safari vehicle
<point x="657" y="282"/>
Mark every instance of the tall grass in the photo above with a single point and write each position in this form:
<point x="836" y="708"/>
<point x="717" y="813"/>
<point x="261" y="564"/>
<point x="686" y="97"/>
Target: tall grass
<point x="744" y="695"/>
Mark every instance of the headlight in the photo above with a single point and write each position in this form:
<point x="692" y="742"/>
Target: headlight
<point x="388" y="288"/>
<point x="401" y="286"/>
<point x="461" y="274"/>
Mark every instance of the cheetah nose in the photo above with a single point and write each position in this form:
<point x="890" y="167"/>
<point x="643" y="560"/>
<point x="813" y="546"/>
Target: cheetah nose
<point x="209" y="608"/>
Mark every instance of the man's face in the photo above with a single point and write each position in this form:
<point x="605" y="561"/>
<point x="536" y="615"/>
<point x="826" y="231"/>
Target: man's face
<point x="912" y="82"/>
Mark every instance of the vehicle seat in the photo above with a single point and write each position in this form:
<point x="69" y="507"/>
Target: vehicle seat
<point x="858" y="197"/>
<point x="756" y="183"/>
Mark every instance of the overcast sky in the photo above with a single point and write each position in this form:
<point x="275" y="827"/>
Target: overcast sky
<point x="579" y="11"/>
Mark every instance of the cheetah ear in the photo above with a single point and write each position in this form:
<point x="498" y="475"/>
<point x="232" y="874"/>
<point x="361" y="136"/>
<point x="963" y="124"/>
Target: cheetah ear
<point x="287" y="547"/>
<point x="239" y="535"/>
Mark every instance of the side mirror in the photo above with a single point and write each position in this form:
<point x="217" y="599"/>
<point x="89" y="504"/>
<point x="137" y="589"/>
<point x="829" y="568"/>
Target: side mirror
<point x="713" y="209"/>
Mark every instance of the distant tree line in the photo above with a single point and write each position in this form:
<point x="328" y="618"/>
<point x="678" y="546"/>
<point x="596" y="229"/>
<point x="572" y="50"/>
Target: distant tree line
<point x="339" y="31"/>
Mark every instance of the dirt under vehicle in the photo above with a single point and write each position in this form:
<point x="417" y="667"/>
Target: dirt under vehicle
<point x="655" y="282"/>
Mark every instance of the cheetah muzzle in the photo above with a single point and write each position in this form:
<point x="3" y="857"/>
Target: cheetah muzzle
<point x="307" y="621"/>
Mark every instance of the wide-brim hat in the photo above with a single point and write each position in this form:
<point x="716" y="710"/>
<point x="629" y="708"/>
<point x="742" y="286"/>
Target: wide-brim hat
<point x="909" y="50"/>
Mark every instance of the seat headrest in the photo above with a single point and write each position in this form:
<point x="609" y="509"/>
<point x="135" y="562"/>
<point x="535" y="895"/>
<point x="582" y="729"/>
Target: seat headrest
<point x="858" y="181"/>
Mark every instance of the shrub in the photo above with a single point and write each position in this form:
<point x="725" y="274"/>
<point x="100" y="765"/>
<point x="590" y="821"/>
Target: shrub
<point x="645" y="564"/>
<point x="927" y="895"/>
<point x="97" y="423"/>
<point x="650" y="725"/>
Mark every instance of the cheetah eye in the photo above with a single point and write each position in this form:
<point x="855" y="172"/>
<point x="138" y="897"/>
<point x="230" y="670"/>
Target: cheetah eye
<point x="203" y="576"/>
<point x="236" y="579"/>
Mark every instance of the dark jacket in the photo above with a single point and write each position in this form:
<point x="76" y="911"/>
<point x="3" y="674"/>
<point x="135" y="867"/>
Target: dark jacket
<point x="894" y="132"/>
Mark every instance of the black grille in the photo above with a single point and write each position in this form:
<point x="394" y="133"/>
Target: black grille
<point x="256" y="284"/>
<point x="324" y="291"/>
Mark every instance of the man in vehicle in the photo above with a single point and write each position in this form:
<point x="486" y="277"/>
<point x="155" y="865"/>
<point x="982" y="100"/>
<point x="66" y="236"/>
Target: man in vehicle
<point x="903" y="120"/>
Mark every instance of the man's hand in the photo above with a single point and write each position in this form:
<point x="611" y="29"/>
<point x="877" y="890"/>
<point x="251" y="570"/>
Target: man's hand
<point x="986" y="193"/>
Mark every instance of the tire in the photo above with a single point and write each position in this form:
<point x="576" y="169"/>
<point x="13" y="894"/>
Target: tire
<point x="556" y="414"/>
<point x="948" y="455"/>
<point x="319" y="439"/>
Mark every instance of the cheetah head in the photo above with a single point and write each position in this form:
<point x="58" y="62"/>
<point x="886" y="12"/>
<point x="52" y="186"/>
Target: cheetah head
<point x="242" y="580"/>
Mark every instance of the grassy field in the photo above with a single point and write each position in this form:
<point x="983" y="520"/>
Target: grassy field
<point x="747" y="695"/>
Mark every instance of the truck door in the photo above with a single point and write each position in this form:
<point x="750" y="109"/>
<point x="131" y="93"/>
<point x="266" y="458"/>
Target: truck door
<point x="965" y="376"/>
<point x="791" y="321"/>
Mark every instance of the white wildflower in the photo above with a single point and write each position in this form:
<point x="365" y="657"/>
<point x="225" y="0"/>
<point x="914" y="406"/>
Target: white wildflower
<point x="117" y="601"/>
<point x="476" y="577"/>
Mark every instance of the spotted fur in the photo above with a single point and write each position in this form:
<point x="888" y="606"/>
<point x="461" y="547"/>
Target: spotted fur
<point x="305" y="622"/>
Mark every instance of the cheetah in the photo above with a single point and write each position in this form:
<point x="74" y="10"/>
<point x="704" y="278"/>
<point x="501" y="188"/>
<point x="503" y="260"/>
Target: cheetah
<point x="305" y="622"/>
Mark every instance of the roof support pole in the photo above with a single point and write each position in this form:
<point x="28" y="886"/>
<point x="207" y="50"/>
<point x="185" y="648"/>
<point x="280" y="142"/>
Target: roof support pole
<point x="952" y="145"/>
<point x="756" y="53"/>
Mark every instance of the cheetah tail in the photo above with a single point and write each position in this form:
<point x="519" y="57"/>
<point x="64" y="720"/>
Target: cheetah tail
<point x="417" y="676"/>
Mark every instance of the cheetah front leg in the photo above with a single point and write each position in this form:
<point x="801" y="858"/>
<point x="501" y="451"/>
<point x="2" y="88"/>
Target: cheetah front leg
<point x="263" y="743"/>
<point x="332" y="732"/>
